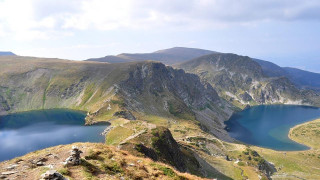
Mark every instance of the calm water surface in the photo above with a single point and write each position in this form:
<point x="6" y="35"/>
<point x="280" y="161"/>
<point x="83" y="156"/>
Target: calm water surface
<point x="268" y="126"/>
<point x="25" y="132"/>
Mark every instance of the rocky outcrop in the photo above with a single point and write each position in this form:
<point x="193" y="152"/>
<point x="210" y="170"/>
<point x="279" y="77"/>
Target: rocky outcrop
<point x="267" y="168"/>
<point x="52" y="175"/>
<point x="163" y="148"/>
<point x="159" y="145"/>
<point x="246" y="97"/>
<point x="4" y="107"/>
<point x="125" y="115"/>
<point x="241" y="81"/>
<point x="168" y="149"/>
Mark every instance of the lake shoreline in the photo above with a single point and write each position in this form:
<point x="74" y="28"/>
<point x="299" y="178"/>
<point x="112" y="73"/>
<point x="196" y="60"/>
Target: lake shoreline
<point x="269" y="126"/>
<point x="291" y="136"/>
<point x="28" y="131"/>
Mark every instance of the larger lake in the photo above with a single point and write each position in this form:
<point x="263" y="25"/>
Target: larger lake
<point x="25" y="132"/>
<point x="268" y="125"/>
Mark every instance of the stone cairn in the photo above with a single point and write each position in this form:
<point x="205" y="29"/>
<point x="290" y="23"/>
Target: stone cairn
<point x="52" y="175"/>
<point x="74" y="158"/>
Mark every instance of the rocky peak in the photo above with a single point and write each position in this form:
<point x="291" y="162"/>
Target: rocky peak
<point x="240" y="80"/>
<point x="156" y="78"/>
<point x="164" y="148"/>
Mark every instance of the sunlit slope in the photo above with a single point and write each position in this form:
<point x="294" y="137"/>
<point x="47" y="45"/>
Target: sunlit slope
<point x="106" y="91"/>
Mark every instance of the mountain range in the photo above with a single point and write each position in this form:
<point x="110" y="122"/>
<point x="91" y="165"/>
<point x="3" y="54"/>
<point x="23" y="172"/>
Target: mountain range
<point x="303" y="79"/>
<point x="172" y="56"/>
<point x="169" y="105"/>
<point x="240" y="80"/>
<point x="166" y="56"/>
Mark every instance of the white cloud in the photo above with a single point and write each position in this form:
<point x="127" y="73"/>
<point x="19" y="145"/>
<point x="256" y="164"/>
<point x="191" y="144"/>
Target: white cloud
<point x="45" y="19"/>
<point x="18" y="19"/>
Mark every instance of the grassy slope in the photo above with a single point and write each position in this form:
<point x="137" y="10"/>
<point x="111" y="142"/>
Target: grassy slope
<point x="307" y="133"/>
<point x="98" y="162"/>
<point x="35" y="83"/>
<point x="298" y="164"/>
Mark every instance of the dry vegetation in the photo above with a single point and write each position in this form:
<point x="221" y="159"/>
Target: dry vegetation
<point x="99" y="161"/>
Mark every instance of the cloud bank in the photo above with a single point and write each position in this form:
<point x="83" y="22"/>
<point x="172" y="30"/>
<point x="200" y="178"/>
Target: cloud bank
<point x="45" y="19"/>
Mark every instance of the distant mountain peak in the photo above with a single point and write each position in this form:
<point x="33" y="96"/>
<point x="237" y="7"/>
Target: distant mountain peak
<point x="7" y="53"/>
<point x="183" y="50"/>
<point x="167" y="56"/>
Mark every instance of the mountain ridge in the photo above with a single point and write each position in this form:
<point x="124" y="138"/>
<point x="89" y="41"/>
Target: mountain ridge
<point x="176" y="55"/>
<point x="243" y="81"/>
<point x="303" y="79"/>
<point x="167" y="56"/>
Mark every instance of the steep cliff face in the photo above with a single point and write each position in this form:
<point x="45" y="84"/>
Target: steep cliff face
<point x="107" y="91"/>
<point x="164" y="148"/>
<point x="241" y="81"/>
<point x="156" y="89"/>
<point x="168" y="88"/>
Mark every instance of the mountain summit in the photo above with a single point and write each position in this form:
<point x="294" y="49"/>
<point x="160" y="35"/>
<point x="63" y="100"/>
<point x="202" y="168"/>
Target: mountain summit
<point x="167" y="56"/>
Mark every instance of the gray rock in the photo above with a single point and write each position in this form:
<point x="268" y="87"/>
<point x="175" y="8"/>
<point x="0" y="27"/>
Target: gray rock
<point x="11" y="167"/>
<point x="246" y="97"/>
<point x="40" y="163"/>
<point x="74" y="158"/>
<point x="52" y="175"/>
<point x="8" y="173"/>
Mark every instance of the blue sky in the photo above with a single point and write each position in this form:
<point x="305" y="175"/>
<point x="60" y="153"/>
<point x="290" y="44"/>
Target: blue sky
<point x="286" y="32"/>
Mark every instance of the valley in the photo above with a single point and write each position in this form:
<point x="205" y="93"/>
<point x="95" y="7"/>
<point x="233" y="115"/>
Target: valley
<point x="172" y="115"/>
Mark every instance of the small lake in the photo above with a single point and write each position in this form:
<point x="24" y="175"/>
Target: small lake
<point x="25" y="132"/>
<point x="268" y="125"/>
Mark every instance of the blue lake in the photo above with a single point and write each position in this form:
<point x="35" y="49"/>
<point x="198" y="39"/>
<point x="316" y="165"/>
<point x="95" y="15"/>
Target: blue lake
<point x="25" y="132"/>
<point x="268" y="125"/>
